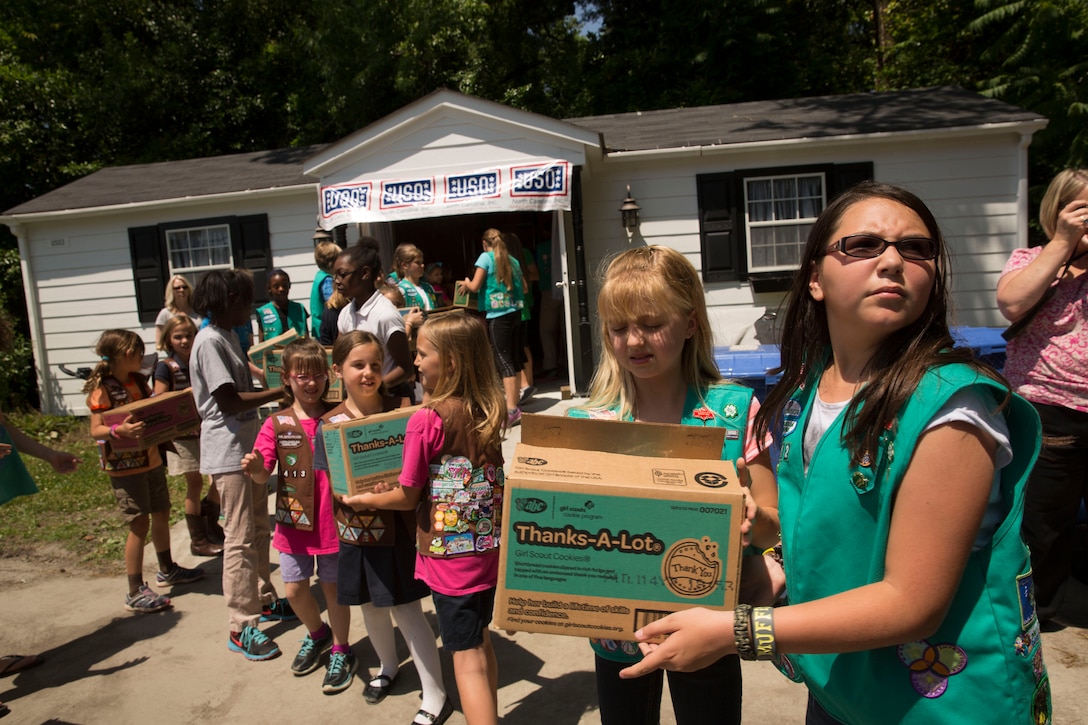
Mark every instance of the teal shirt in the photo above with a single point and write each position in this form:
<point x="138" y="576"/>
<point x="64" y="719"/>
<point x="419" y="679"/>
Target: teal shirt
<point x="412" y="298"/>
<point x="984" y="663"/>
<point x="730" y="403"/>
<point x="496" y="300"/>
<point x="15" y="480"/>
<point x="269" y="318"/>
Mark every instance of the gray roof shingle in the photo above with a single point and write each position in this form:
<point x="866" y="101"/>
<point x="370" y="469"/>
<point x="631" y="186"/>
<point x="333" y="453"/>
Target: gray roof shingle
<point x="798" y="118"/>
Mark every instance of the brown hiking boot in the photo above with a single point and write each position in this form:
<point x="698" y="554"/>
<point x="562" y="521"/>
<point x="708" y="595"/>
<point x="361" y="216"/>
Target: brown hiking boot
<point x="198" y="537"/>
<point x="209" y="510"/>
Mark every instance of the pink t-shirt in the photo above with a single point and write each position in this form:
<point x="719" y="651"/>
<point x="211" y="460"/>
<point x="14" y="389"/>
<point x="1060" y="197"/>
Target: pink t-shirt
<point x="289" y="540"/>
<point x="456" y="576"/>
<point x="1048" y="362"/>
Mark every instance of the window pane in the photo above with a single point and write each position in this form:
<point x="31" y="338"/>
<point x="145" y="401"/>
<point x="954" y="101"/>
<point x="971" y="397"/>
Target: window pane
<point x="781" y="210"/>
<point x="199" y="249"/>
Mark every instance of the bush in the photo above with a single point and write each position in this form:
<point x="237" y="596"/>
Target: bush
<point x="17" y="389"/>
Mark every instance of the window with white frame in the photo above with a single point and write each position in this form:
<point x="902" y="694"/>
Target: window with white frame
<point x="194" y="250"/>
<point x="753" y="223"/>
<point x="779" y="211"/>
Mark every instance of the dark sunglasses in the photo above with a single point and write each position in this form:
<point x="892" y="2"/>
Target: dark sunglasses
<point x="867" y="246"/>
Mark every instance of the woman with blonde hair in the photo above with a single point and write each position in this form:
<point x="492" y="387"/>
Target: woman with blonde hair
<point x="178" y="300"/>
<point x="1042" y="291"/>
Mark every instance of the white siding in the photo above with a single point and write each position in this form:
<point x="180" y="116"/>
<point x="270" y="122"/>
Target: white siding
<point x="83" y="273"/>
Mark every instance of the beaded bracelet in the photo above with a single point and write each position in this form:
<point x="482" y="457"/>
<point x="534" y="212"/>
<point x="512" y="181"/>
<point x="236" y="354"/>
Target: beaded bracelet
<point x="763" y="633"/>
<point x="113" y="431"/>
<point x="775" y="552"/>
<point x="742" y="632"/>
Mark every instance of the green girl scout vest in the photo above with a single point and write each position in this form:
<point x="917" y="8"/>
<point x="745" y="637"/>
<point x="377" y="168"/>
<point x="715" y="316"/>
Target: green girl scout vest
<point x="461" y="509"/>
<point x="985" y="662"/>
<point x="15" y="480"/>
<point x="295" y="483"/>
<point x="375" y="527"/>
<point x="108" y="458"/>
<point x="726" y="407"/>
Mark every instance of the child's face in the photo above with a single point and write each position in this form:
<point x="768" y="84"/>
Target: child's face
<point x="279" y="288"/>
<point x="413" y="270"/>
<point x="361" y="372"/>
<point x="307" y="387"/>
<point x="124" y="365"/>
<point x="348" y="279"/>
<point x="651" y="347"/>
<point x="435" y="276"/>
<point x="181" y="341"/>
<point x="428" y="362"/>
<point x="867" y="299"/>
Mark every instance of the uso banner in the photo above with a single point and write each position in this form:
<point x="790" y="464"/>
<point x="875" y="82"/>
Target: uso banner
<point x="537" y="186"/>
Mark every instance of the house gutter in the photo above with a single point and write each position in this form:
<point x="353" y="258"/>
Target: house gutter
<point x="1023" y="128"/>
<point x="62" y="214"/>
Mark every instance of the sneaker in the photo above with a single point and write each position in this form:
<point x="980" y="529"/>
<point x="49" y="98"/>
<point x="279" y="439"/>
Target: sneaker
<point x="254" y="644"/>
<point x="340" y="672"/>
<point x="278" y="610"/>
<point x="527" y="394"/>
<point x="513" y="417"/>
<point x="145" y="600"/>
<point x="309" y="654"/>
<point x="178" y="575"/>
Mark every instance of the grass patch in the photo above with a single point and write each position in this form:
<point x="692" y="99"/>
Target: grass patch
<point x="74" y="512"/>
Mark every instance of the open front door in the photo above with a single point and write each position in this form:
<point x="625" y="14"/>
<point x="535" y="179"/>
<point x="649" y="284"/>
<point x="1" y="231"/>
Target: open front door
<point x="568" y="240"/>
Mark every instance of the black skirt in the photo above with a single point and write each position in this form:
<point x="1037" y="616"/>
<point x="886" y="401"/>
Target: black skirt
<point x="381" y="575"/>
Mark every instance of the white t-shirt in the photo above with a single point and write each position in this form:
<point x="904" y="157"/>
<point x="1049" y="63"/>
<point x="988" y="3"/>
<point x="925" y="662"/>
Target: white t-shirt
<point x="968" y="406"/>
<point x="377" y="316"/>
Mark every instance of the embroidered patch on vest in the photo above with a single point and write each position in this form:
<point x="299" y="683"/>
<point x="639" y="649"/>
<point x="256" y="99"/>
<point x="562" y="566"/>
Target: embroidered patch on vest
<point x="1025" y="590"/>
<point x="791" y="414"/>
<point x="730" y="412"/>
<point x="704" y="414"/>
<point x="1040" y="703"/>
<point x="931" y="665"/>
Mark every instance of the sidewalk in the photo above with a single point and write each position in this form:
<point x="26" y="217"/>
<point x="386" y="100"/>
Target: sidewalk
<point x="103" y="665"/>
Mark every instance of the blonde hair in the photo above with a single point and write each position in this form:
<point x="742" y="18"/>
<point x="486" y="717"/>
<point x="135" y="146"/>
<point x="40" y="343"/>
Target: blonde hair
<point x="393" y="293"/>
<point x="168" y="296"/>
<point x="304" y="356"/>
<point x="468" y="373"/>
<point x="325" y="254"/>
<point x="504" y="271"/>
<point x="168" y="329"/>
<point x="111" y="345"/>
<point x="403" y="254"/>
<point x="644" y="281"/>
<point x="1066" y="186"/>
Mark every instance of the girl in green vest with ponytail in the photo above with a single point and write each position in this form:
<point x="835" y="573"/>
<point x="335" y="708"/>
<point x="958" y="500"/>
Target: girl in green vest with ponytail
<point x="901" y="488"/>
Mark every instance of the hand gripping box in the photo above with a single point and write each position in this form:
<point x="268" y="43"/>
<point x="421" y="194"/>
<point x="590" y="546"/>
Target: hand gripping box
<point x="364" y="451"/>
<point x="608" y="526"/>
<point x="166" y="416"/>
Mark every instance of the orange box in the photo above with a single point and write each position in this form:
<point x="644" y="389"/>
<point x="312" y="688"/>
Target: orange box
<point x="165" y="416"/>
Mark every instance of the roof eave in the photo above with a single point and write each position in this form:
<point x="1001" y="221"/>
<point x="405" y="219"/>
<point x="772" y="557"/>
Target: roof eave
<point x="1020" y="127"/>
<point x="173" y="203"/>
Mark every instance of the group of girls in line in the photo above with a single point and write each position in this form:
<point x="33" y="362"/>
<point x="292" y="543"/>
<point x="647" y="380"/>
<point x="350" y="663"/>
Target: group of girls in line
<point x="909" y="585"/>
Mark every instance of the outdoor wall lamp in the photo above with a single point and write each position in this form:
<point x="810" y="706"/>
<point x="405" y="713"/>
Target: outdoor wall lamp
<point x="629" y="212"/>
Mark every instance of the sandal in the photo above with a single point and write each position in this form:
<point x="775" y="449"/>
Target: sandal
<point x="441" y="717"/>
<point x="374" y="694"/>
<point x="11" y="664"/>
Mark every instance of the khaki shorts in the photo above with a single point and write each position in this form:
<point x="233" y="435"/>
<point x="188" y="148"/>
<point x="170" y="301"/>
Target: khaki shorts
<point x="139" y="494"/>
<point x="187" y="458"/>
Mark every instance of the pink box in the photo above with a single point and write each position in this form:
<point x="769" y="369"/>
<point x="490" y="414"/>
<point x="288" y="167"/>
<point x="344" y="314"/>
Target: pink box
<point x="166" y="416"/>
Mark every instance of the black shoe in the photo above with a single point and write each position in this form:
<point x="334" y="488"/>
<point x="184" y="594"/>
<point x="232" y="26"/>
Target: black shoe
<point x="309" y="654"/>
<point x="279" y="609"/>
<point x="339" y="673"/>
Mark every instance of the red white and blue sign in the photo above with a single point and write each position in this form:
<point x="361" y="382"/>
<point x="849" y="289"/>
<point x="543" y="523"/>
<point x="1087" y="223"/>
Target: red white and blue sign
<point x="536" y="186"/>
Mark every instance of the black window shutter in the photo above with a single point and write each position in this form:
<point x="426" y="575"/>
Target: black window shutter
<point x="252" y="251"/>
<point x="148" y="271"/>
<point x="721" y="228"/>
<point x="843" y="176"/>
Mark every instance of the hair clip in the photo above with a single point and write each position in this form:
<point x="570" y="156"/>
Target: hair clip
<point x="105" y="358"/>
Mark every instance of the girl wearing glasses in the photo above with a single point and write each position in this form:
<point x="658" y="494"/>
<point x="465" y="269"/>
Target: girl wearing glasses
<point x="901" y="488"/>
<point x="305" y="527"/>
<point x="178" y="300"/>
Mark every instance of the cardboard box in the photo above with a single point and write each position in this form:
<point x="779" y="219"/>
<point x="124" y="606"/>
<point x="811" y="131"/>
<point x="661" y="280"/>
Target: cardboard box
<point x="166" y="416"/>
<point x="364" y="451"/>
<point x="257" y="350"/>
<point x="598" y="544"/>
<point x="469" y="300"/>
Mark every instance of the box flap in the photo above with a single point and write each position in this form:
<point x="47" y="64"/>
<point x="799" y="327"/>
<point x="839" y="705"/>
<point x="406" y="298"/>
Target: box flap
<point x="257" y="350"/>
<point x="660" y="440"/>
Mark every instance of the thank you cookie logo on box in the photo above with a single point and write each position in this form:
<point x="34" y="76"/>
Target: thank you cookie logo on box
<point x="691" y="567"/>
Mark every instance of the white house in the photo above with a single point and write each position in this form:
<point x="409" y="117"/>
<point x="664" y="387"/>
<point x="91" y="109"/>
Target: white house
<point x="733" y="187"/>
